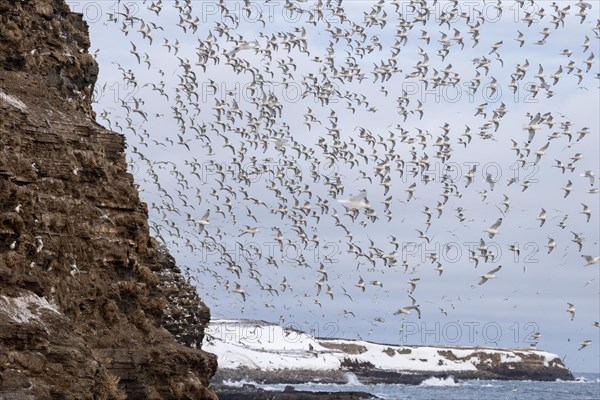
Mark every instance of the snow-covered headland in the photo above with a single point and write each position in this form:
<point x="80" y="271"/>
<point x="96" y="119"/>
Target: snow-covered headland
<point x="264" y="352"/>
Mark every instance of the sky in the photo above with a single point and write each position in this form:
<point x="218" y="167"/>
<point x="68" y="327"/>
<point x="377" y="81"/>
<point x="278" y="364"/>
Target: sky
<point x="175" y="165"/>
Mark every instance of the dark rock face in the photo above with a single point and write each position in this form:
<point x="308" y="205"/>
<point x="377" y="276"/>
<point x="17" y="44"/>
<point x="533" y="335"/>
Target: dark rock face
<point x="530" y="367"/>
<point x="91" y="307"/>
<point x="44" y="38"/>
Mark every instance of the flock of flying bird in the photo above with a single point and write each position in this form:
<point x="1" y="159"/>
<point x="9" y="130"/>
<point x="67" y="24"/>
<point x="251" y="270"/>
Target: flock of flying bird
<point x="260" y="184"/>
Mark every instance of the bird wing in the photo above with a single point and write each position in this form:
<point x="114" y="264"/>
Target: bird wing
<point x="496" y="224"/>
<point x="418" y="311"/>
<point x="495" y="270"/>
<point x="359" y="197"/>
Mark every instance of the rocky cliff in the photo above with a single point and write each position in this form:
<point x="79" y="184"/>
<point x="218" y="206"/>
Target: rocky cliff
<point x="91" y="307"/>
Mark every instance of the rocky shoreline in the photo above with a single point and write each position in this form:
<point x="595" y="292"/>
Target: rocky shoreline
<point x="224" y="380"/>
<point x="373" y="376"/>
<point x="251" y="392"/>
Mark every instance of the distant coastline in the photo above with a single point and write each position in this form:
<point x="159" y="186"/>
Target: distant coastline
<point x="266" y="353"/>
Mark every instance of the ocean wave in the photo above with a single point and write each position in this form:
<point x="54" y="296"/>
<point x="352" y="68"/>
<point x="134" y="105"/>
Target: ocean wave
<point x="433" y="381"/>
<point x="352" y="379"/>
<point x="478" y="384"/>
<point x="581" y="379"/>
<point x="238" y="384"/>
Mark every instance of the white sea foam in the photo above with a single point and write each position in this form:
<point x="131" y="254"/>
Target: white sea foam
<point x="580" y="379"/>
<point x="433" y="381"/>
<point x="238" y="384"/>
<point x="352" y="379"/>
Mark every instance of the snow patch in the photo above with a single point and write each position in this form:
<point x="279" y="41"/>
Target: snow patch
<point x="24" y="309"/>
<point x="13" y="101"/>
<point x="269" y="347"/>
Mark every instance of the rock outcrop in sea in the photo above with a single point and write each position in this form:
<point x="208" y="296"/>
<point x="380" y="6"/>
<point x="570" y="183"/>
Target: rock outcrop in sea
<point x="91" y="306"/>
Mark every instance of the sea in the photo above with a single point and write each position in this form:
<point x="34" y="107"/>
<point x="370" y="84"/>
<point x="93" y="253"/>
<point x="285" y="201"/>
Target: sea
<point x="585" y="387"/>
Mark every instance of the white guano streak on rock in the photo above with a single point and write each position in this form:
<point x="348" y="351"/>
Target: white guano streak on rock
<point x="13" y="101"/>
<point x="24" y="309"/>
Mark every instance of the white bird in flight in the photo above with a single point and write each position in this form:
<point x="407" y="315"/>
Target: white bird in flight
<point x="584" y="344"/>
<point x="203" y="221"/>
<point x="489" y="275"/>
<point x="356" y="202"/>
<point x="571" y="310"/>
<point x="238" y="289"/>
<point x="406" y="310"/>
<point x="590" y="260"/>
<point x="493" y="230"/>
<point x="590" y="175"/>
<point x="542" y="217"/>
